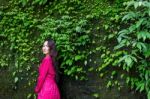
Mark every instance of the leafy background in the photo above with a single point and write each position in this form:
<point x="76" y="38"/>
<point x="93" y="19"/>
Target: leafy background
<point x="117" y="30"/>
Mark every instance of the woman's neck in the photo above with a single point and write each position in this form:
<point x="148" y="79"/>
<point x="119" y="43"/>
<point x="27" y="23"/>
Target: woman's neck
<point x="47" y="55"/>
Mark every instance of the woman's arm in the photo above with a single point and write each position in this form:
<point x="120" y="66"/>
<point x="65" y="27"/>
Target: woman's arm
<point x="42" y="73"/>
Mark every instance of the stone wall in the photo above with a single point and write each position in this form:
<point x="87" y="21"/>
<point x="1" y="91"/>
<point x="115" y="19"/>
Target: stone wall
<point x="95" y="88"/>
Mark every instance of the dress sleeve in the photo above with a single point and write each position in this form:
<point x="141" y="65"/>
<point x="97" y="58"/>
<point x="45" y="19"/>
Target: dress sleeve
<point x="42" y="74"/>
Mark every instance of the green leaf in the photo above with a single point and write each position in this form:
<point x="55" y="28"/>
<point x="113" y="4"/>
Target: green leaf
<point x="44" y="2"/>
<point x="29" y="96"/>
<point x="113" y="73"/>
<point x="79" y="69"/>
<point x="78" y="57"/>
<point x="16" y="79"/>
<point x="146" y="75"/>
<point x="109" y="84"/>
<point x="127" y="80"/>
<point x="91" y="69"/>
<point x="111" y="36"/>
<point x="142" y="87"/>
<point x="130" y="3"/>
<point x="69" y="62"/>
<point x="106" y="27"/>
<point x="141" y="46"/>
<point x="148" y="95"/>
<point x="130" y="15"/>
<point x="69" y="72"/>
<point x="24" y="2"/>
<point x="147" y="53"/>
<point x="119" y="46"/>
<point x="139" y="23"/>
<point x="96" y="95"/>
<point x="132" y="28"/>
<point x="78" y="29"/>
<point x="149" y="11"/>
<point x="128" y="61"/>
<point x="136" y="4"/>
<point x="143" y="35"/>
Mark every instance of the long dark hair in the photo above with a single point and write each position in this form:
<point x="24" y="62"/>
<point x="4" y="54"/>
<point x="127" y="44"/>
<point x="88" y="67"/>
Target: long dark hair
<point x="53" y="54"/>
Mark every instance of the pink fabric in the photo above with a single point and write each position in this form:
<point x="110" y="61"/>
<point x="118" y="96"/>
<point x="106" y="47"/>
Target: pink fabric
<point x="46" y="87"/>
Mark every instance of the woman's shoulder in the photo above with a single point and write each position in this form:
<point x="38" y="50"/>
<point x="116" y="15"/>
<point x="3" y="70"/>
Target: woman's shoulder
<point x="47" y="58"/>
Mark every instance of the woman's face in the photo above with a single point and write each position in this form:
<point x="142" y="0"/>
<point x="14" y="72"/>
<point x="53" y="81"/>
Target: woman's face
<point x="45" y="48"/>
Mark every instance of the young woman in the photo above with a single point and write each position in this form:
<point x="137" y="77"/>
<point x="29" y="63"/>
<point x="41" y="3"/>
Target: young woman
<point x="46" y="87"/>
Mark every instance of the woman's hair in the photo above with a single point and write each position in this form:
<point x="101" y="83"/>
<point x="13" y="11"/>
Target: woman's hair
<point x="53" y="51"/>
<point x="53" y="54"/>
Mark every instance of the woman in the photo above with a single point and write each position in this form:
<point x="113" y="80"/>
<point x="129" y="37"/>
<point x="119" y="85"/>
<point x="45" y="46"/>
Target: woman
<point x="46" y="87"/>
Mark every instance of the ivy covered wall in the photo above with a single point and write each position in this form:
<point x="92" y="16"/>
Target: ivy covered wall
<point x="81" y="29"/>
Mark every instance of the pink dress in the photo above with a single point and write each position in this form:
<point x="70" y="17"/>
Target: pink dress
<point x="46" y="87"/>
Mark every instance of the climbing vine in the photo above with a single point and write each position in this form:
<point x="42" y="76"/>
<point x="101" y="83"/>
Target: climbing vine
<point x="131" y="53"/>
<point x="136" y="37"/>
<point x="77" y="26"/>
<point x="24" y="30"/>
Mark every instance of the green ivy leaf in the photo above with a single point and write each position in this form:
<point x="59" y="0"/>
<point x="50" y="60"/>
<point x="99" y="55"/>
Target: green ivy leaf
<point x="109" y="84"/>
<point x="78" y="29"/>
<point x="148" y="95"/>
<point x="78" y="57"/>
<point x="16" y="80"/>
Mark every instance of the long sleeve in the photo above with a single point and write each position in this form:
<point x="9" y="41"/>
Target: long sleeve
<point x="43" y="70"/>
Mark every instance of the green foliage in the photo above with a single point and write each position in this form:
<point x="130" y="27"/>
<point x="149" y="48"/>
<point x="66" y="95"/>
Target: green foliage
<point x="131" y="54"/>
<point x="135" y="40"/>
<point x="24" y="30"/>
<point x="33" y="2"/>
<point x="77" y="26"/>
